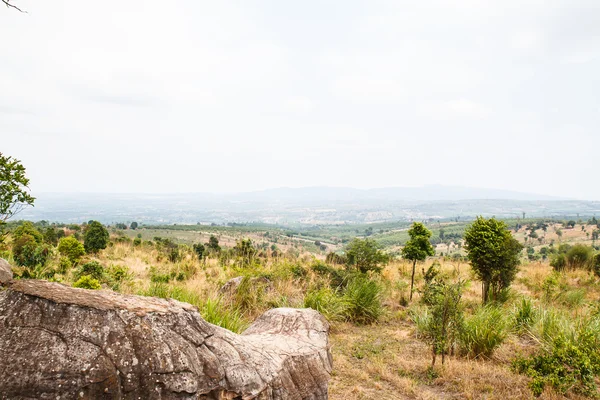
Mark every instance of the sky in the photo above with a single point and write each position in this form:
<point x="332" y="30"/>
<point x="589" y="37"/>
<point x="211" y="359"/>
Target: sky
<point x="231" y="96"/>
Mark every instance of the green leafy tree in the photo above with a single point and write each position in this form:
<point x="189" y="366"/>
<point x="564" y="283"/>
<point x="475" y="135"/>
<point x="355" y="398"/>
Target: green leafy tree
<point x="27" y="228"/>
<point x="50" y="236"/>
<point x="417" y="248"/>
<point x="213" y="244"/>
<point x="14" y="189"/>
<point x="71" y="248"/>
<point x="200" y="251"/>
<point x="494" y="255"/>
<point x="95" y="237"/>
<point x="134" y="225"/>
<point x="29" y="253"/>
<point x="365" y="255"/>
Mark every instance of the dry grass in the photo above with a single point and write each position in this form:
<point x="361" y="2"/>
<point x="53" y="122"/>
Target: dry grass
<point x="385" y="360"/>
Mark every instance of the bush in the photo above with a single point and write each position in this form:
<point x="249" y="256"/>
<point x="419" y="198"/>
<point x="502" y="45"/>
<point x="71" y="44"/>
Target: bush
<point x="569" y="362"/>
<point x="580" y="256"/>
<point x="444" y="315"/>
<point x="559" y="262"/>
<point x="365" y="255"/>
<point x="483" y="332"/>
<point x="87" y="282"/>
<point x="328" y="302"/>
<point x="71" y="248"/>
<point x="363" y="297"/>
<point x="92" y="268"/>
<point x="524" y="315"/>
<point x="95" y="237"/>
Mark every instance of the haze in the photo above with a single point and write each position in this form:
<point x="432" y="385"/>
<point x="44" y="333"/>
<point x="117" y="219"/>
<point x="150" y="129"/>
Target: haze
<point x="197" y="96"/>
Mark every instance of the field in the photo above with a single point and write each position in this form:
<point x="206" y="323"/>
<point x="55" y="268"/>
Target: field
<point x="377" y="340"/>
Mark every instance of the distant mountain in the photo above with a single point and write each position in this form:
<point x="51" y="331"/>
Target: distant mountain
<point x="311" y="205"/>
<point x="422" y="193"/>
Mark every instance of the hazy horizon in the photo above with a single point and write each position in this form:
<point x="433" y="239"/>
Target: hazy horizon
<point x="231" y="97"/>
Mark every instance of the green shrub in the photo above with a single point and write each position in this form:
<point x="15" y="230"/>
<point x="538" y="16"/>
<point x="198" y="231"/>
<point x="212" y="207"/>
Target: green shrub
<point x="92" y="268"/>
<point x="483" y="332"/>
<point x="559" y="262"/>
<point x="64" y="265"/>
<point x="87" y="282"/>
<point x="28" y="253"/>
<point x="580" y="256"/>
<point x="71" y="248"/>
<point x="363" y="297"/>
<point x="570" y="362"/>
<point x="118" y="273"/>
<point x="326" y="301"/>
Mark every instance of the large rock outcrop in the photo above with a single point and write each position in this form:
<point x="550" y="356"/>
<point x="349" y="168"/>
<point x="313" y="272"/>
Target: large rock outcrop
<point x="59" y="342"/>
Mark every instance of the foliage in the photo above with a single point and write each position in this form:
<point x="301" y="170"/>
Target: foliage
<point x="71" y="248"/>
<point x="484" y="331"/>
<point x="365" y="255"/>
<point x="417" y="248"/>
<point x="245" y="251"/>
<point x="200" y="251"/>
<point x="14" y="191"/>
<point x="27" y="228"/>
<point x="328" y="302"/>
<point x="334" y="258"/>
<point x="134" y="225"/>
<point x="579" y="256"/>
<point x="569" y="362"/>
<point x="95" y="237"/>
<point x="364" y="300"/>
<point x="213" y="244"/>
<point x="87" y="282"/>
<point x="494" y="255"/>
<point x="444" y="313"/>
<point x="28" y="253"/>
<point x="92" y="268"/>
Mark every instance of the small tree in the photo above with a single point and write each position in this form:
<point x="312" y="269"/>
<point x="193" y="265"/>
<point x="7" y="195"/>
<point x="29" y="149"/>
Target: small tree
<point x="200" y="251"/>
<point x="365" y="255"/>
<point x="417" y="248"/>
<point x="494" y="255"/>
<point x="213" y="244"/>
<point x="71" y="248"/>
<point x="14" y="190"/>
<point x="134" y="225"/>
<point x="443" y="300"/>
<point x="95" y="237"/>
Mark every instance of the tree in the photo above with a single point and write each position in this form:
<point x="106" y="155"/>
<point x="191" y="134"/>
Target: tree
<point x="50" y="236"/>
<point x="27" y="228"/>
<point x="365" y="255"/>
<point x="417" y="248"/>
<point x="71" y="248"/>
<point x="134" y="225"/>
<point x="95" y="237"/>
<point x="200" y="251"/>
<point x="213" y="244"/>
<point x="494" y="255"/>
<point x="14" y="189"/>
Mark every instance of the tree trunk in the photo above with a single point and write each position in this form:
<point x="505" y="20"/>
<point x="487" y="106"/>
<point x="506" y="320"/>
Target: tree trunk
<point x="412" y="278"/>
<point x="60" y="342"/>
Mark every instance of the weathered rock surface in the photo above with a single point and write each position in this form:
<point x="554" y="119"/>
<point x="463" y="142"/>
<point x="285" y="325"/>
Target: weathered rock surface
<point x="59" y="342"/>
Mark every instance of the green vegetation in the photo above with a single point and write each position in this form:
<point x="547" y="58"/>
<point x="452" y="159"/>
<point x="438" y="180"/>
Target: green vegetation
<point x="418" y="248"/>
<point x="14" y="191"/>
<point x="494" y="255"/>
<point x="95" y="237"/>
<point x="365" y="255"/>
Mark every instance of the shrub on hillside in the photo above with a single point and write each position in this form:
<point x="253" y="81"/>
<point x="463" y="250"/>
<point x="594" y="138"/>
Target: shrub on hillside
<point x="364" y="300"/>
<point x="328" y="302"/>
<point x="71" y="248"/>
<point x="87" y="282"/>
<point x="93" y="269"/>
<point x="483" y="332"/>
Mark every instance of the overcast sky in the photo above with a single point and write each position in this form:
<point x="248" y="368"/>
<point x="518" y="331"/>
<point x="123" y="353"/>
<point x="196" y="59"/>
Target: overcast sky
<point x="219" y="96"/>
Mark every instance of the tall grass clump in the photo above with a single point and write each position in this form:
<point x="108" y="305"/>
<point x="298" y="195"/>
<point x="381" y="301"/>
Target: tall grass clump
<point x="328" y="302"/>
<point x="483" y="331"/>
<point x="364" y="299"/>
<point x="524" y="315"/>
<point x="569" y="361"/>
<point x="217" y="313"/>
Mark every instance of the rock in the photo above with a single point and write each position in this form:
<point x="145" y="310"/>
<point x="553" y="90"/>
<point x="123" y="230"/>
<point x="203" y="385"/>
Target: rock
<point x="231" y="286"/>
<point x="59" y="342"/>
<point x="6" y="274"/>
